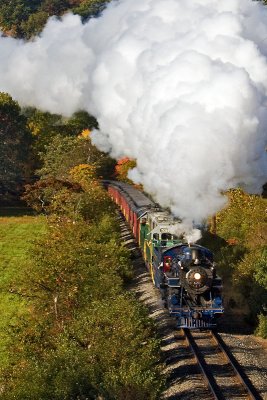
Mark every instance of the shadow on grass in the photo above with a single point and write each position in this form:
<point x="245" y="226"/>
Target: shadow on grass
<point x="15" y="211"/>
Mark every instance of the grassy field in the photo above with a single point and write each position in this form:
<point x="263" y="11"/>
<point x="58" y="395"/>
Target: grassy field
<point x="17" y="234"/>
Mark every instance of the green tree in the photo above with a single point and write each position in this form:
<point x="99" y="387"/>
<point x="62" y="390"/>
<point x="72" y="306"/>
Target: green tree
<point x="43" y="126"/>
<point x="15" y="12"/>
<point x="26" y="18"/>
<point x="80" y="121"/>
<point x="261" y="269"/>
<point x="34" y="24"/>
<point x="64" y="153"/>
<point x="55" y="7"/>
<point x="15" y="142"/>
<point x="90" y="8"/>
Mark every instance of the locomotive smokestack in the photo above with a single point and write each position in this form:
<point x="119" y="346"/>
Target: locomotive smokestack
<point x="178" y="85"/>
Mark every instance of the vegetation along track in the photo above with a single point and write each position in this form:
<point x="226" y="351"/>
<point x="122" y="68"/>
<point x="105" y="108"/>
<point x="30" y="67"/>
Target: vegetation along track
<point x="223" y="374"/>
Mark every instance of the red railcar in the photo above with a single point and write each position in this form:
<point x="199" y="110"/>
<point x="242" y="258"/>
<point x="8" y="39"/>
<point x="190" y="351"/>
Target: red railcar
<point x="132" y="203"/>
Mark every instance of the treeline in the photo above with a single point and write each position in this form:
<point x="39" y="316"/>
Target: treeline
<point x="31" y="140"/>
<point x="84" y="336"/>
<point x="26" y="18"/>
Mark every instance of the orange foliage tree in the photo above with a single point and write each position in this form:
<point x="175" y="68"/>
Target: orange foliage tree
<point x="122" y="168"/>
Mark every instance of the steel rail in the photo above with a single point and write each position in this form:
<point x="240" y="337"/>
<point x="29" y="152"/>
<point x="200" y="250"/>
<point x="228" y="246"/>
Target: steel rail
<point x="210" y="381"/>
<point x="207" y="374"/>
<point x="243" y="379"/>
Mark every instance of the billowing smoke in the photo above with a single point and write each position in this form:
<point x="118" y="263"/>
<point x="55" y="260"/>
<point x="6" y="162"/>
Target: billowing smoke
<point x="179" y="85"/>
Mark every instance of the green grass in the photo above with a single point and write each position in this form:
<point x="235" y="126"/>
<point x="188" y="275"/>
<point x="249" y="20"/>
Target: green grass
<point x="16" y="238"/>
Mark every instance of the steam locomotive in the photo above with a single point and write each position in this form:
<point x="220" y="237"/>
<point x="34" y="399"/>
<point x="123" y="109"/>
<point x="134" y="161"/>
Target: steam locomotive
<point x="185" y="274"/>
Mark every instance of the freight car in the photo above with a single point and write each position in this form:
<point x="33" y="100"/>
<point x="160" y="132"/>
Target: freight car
<point x="185" y="274"/>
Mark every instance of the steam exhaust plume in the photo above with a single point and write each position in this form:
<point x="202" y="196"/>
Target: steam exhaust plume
<point x="179" y="85"/>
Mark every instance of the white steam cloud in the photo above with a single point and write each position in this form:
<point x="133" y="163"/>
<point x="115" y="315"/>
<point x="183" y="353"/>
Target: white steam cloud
<point x="179" y="85"/>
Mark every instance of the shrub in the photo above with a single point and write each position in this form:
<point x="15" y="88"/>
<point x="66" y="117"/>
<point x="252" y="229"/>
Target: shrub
<point x="84" y="335"/>
<point x="262" y="326"/>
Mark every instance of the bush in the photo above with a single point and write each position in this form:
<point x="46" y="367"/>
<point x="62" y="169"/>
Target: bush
<point x="84" y="336"/>
<point x="262" y="326"/>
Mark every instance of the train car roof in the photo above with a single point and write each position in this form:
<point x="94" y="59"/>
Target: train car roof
<point x="138" y="198"/>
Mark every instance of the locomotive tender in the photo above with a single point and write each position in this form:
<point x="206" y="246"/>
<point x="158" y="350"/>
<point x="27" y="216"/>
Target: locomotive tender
<point x="185" y="274"/>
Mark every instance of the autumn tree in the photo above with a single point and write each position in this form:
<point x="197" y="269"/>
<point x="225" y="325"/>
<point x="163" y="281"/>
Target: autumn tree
<point x="51" y="194"/>
<point x="243" y="224"/>
<point x="68" y="185"/>
<point x="122" y="168"/>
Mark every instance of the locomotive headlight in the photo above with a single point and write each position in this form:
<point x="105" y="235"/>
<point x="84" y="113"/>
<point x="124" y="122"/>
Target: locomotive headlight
<point x="197" y="279"/>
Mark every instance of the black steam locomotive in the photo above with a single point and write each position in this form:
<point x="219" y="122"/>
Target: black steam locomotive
<point x="185" y="274"/>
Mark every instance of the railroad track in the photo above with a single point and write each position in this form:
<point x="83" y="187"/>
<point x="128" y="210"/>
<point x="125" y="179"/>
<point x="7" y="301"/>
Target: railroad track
<point x="222" y="373"/>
